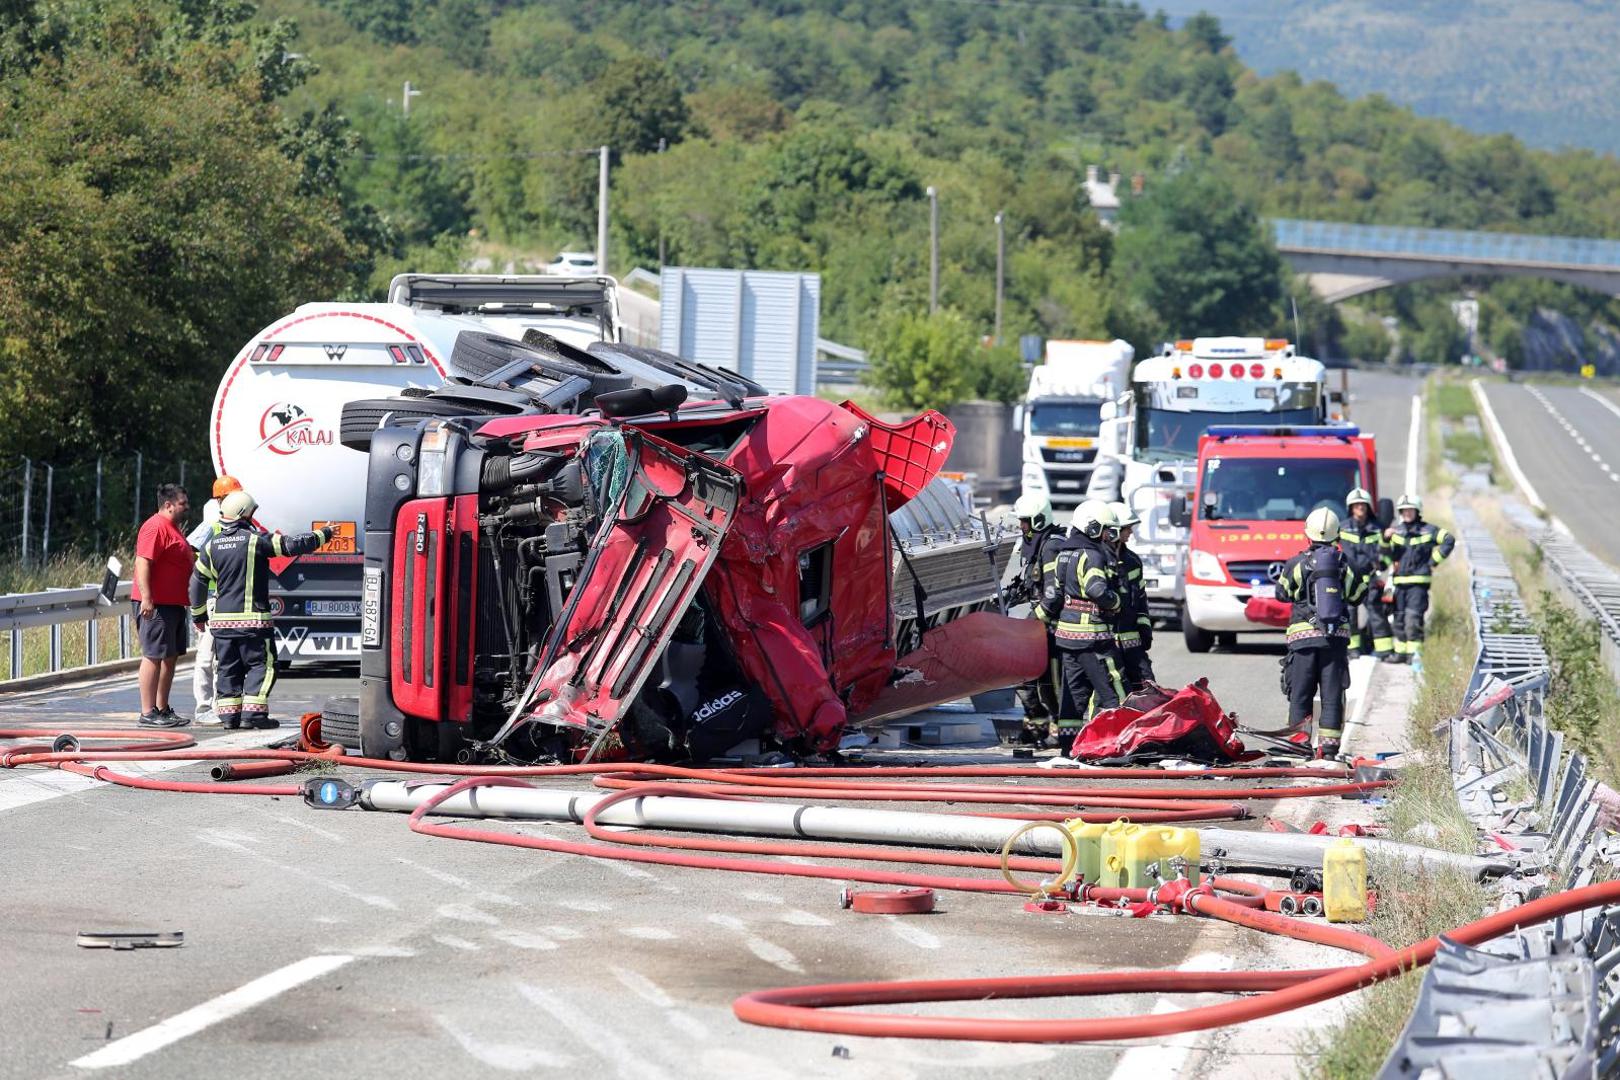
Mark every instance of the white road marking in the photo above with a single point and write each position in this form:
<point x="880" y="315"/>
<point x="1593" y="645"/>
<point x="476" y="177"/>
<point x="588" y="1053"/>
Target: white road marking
<point x="648" y="933"/>
<point x="1602" y="400"/>
<point x="459" y="882"/>
<point x="134" y="1047"/>
<point x="768" y="951"/>
<point x="1580" y="440"/>
<point x="468" y="914"/>
<point x="910" y="933"/>
<point x="797" y="917"/>
<point x="505" y="1056"/>
<point x="29" y="785"/>
<point x="609" y="1043"/>
<point x="521" y="939"/>
<point x="1414" y="435"/>
<point x="230" y="842"/>
<point x="1504" y="448"/>
<point x="654" y="995"/>
<point x="1166" y="1059"/>
<point x="326" y="834"/>
<point x="450" y="941"/>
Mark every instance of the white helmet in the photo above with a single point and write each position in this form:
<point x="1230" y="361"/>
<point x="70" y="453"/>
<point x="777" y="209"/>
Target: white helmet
<point x="1124" y="515"/>
<point x="1092" y="517"/>
<point x="1359" y="495"/>
<point x="1322" y="526"/>
<point x="1410" y="502"/>
<point x="1037" y="508"/>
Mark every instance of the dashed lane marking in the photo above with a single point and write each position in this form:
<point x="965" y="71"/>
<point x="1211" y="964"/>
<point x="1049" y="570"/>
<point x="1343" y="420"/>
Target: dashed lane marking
<point x="198" y="1018"/>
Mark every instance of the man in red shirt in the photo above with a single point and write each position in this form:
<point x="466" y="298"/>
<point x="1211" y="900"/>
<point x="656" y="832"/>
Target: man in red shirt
<point x="163" y="562"/>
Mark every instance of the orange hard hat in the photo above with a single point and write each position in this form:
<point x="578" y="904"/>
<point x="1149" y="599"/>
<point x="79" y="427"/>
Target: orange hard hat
<point x="224" y="485"/>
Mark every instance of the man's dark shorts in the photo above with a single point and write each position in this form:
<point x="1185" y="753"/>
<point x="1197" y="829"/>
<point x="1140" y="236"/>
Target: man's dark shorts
<point x="163" y="633"/>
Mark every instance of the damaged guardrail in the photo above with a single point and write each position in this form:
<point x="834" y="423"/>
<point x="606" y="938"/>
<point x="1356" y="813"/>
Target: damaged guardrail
<point x="1545" y="1001"/>
<point x="57" y="608"/>
<point x="1585" y="579"/>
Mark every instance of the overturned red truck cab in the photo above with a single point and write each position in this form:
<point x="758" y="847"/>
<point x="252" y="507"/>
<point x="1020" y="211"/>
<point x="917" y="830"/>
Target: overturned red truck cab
<point x="611" y="553"/>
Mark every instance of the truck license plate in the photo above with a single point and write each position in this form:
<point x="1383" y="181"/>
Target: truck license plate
<point x="342" y="542"/>
<point x="1068" y="485"/>
<point x="332" y="607"/>
<point x="371" y="615"/>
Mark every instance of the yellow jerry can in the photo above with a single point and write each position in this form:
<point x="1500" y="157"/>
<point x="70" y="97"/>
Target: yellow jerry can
<point x="1111" y="851"/>
<point x="1344" y="881"/>
<point x="1088" y="842"/>
<point x="1148" y="844"/>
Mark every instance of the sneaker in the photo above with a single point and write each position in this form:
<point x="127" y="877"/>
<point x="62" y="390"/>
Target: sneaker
<point x="207" y="718"/>
<point x="174" y="718"/>
<point x="1393" y="658"/>
<point x="260" y="723"/>
<point x="157" y="719"/>
<point x="1355" y="654"/>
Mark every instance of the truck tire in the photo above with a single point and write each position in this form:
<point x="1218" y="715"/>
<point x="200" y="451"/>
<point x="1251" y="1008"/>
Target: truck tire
<point x="1197" y="640"/>
<point x="477" y="354"/>
<point x="340" y="722"/>
<point x="360" y="418"/>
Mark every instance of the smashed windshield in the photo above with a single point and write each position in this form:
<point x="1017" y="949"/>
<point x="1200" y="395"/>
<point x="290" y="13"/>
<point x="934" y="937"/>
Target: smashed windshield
<point x="1166" y="434"/>
<point x="1273" y="489"/>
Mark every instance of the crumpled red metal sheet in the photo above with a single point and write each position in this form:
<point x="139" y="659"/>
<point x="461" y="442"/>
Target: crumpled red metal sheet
<point x="1190" y="724"/>
<point x="978" y="652"/>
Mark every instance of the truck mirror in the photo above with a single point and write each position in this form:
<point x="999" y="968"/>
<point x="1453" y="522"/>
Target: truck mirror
<point x="1018" y="418"/>
<point x="1106" y="411"/>
<point x="1180" y="515"/>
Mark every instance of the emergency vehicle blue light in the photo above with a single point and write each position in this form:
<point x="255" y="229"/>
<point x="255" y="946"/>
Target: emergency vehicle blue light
<point x="1232" y="431"/>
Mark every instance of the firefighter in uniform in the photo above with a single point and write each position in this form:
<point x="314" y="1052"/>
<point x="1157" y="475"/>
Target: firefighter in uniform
<point x="234" y="565"/>
<point x="1361" y="538"/>
<point x="1324" y="588"/>
<point x="1084" y="600"/>
<point x="1037" y="555"/>
<point x="1133" y="629"/>
<point x="1416" y="549"/>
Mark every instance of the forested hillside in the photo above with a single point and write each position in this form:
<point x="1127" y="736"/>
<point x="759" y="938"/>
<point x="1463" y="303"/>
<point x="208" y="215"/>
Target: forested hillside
<point x="781" y="135"/>
<point x="1543" y="70"/>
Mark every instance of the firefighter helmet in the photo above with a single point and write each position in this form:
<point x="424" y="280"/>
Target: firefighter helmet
<point x="1092" y="517"/>
<point x="1124" y="515"/>
<point x="1359" y="495"/>
<point x="1322" y="526"/>
<point x="1410" y="502"/>
<point x="1037" y="508"/>
<point x="237" y="505"/>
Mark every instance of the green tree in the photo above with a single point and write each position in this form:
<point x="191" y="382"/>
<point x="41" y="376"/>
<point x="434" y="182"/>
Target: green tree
<point x="638" y="105"/>
<point x="1197" y="258"/>
<point x="149" y="221"/>
<point x="922" y="361"/>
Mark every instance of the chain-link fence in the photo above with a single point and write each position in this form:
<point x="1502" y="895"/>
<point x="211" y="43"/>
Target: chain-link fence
<point x="90" y="506"/>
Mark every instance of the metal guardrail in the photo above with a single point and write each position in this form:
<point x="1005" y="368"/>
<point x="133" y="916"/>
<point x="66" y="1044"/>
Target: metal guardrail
<point x="1592" y="582"/>
<point x="1545" y="1001"/>
<point x="57" y="608"/>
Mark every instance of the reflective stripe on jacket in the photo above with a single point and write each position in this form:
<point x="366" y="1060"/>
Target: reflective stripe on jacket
<point x="1415" y="551"/>
<point x="1294" y="586"/>
<point x="1083" y="596"/>
<point x="1364" y="546"/>
<point x="1133" y="610"/>
<point x="234" y="564"/>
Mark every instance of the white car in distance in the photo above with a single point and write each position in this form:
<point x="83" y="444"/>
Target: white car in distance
<point x="573" y="263"/>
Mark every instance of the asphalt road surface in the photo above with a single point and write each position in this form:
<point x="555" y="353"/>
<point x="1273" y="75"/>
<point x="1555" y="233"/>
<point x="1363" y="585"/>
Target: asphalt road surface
<point x="1567" y="441"/>
<point x="321" y="942"/>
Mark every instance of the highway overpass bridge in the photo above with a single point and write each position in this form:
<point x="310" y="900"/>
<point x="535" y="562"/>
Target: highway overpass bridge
<point x="1342" y="260"/>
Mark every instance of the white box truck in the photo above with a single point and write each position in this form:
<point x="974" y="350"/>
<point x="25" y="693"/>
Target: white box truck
<point x="1061" y="415"/>
<point x="277" y="423"/>
<point x="1149" y="440"/>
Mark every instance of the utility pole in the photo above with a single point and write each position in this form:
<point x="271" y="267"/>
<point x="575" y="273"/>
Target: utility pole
<point x="663" y="144"/>
<point x="1001" y="271"/>
<point x="933" y="249"/>
<point x="405" y="99"/>
<point x="601" y="209"/>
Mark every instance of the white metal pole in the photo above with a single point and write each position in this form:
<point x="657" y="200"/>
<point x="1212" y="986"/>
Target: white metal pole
<point x="933" y="249"/>
<point x="602" y="210"/>
<point x="1001" y="271"/>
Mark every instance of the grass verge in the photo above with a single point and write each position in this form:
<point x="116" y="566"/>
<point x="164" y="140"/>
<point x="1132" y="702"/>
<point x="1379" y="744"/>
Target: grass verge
<point x="1416" y="902"/>
<point x="66" y="571"/>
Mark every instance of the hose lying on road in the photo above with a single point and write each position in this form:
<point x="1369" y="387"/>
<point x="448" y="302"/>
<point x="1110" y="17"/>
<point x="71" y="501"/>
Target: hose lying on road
<point x="811" y="1008"/>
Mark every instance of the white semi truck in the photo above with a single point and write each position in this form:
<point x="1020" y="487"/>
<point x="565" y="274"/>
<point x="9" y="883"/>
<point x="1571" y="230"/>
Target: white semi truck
<point x="1149" y="435"/>
<point x="1062" y="412"/>
<point x="278" y="421"/>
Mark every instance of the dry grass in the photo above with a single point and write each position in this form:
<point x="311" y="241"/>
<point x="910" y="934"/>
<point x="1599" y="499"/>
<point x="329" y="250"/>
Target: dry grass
<point x="66" y="571"/>
<point x="1416" y="902"/>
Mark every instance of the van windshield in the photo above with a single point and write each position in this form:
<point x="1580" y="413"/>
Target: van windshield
<point x="1167" y="434"/>
<point x="1065" y="417"/>
<point x="1274" y="489"/>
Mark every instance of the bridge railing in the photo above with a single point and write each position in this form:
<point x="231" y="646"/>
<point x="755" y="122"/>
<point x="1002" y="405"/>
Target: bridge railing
<point x="74" y="618"/>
